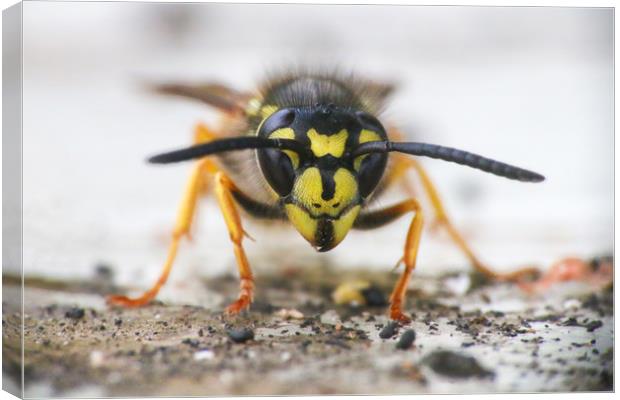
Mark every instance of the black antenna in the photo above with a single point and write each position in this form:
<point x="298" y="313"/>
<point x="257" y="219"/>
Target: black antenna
<point x="451" y="155"/>
<point x="228" y="144"/>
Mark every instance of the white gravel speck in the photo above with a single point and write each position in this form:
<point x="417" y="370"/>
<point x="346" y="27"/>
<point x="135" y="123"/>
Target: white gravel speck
<point x="204" y="355"/>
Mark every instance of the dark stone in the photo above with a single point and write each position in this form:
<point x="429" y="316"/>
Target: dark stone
<point x="456" y="365"/>
<point x="406" y="340"/>
<point x="571" y="322"/>
<point x="191" y="342"/>
<point x="389" y="330"/>
<point x="75" y="313"/>
<point x="240" y="335"/>
<point x="594" y="325"/>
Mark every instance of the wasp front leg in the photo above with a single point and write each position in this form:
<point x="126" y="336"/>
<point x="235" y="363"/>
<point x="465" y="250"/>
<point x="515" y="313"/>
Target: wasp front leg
<point x="381" y="217"/>
<point x="196" y="186"/>
<point x="441" y="219"/>
<point x="224" y="189"/>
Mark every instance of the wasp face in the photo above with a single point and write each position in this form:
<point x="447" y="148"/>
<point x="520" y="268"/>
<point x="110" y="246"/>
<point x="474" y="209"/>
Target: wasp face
<point x="322" y="190"/>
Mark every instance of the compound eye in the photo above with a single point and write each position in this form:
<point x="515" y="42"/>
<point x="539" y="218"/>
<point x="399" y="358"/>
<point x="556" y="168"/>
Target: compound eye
<point x="278" y="169"/>
<point x="370" y="167"/>
<point x="370" y="172"/>
<point x="278" y="165"/>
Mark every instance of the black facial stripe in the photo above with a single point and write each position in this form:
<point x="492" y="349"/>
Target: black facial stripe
<point x="330" y="123"/>
<point x="324" y="236"/>
<point x="328" y="183"/>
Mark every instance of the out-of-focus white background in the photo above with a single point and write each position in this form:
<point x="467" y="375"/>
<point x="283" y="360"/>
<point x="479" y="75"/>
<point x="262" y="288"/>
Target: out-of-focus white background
<point x="528" y="86"/>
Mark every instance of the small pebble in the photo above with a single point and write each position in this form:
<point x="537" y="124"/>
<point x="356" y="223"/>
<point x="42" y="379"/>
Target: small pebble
<point x="75" y="313"/>
<point x="204" y="355"/>
<point x="389" y="330"/>
<point x="191" y="342"/>
<point x="406" y="339"/>
<point x="289" y="314"/>
<point x="571" y="322"/>
<point x="594" y="325"/>
<point x="240" y="335"/>
<point x="455" y="365"/>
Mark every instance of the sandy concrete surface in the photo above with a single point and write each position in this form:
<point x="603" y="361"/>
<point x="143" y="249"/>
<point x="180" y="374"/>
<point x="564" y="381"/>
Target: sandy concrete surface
<point x="531" y="86"/>
<point x="469" y="338"/>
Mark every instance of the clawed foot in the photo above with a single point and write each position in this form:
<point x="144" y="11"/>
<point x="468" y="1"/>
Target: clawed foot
<point x="245" y="298"/>
<point x="124" y="301"/>
<point x="396" y="314"/>
<point x="242" y="303"/>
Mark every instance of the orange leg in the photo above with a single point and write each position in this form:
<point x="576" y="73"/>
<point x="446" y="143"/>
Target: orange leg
<point x="572" y="269"/>
<point x="223" y="191"/>
<point x="441" y="219"/>
<point x="195" y="186"/>
<point x="412" y="243"/>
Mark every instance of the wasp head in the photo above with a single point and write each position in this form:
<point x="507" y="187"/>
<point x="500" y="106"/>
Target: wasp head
<point x="323" y="187"/>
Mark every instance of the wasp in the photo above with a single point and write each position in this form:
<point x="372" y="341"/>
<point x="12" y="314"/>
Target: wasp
<point x="311" y="149"/>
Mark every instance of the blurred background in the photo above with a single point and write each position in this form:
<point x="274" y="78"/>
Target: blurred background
<point x="528" y="86"/>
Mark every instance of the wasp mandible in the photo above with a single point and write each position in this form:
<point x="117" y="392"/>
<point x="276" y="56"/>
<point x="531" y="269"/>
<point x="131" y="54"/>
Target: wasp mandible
<point x="309" y="148"/>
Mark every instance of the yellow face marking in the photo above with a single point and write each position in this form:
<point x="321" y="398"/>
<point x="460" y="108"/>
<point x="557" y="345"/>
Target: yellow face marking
<point x="346" y="187"/>
<point x="302" y="221"/>
<point x="365" y="136"/>
<point x="343" y="225"/>
<point x="368" y="136"/>
<point x="308" y="189"/>
<point x="267" y="110"/>
<point x="324" y="144"/>
<point x="287" y="133"/>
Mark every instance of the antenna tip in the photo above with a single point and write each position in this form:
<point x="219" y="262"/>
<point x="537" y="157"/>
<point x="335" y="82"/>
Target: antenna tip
<point x="532" y="177"/>
<point x="157" y="159"/>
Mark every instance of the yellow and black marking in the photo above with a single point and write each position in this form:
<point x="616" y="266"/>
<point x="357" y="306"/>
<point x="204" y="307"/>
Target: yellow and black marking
<point x="320" y="189"/>
<point x="322" y="153"/>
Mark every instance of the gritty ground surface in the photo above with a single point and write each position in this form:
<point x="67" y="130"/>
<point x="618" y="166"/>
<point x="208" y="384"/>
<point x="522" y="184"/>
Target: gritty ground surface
<point x="468" y="338"/>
